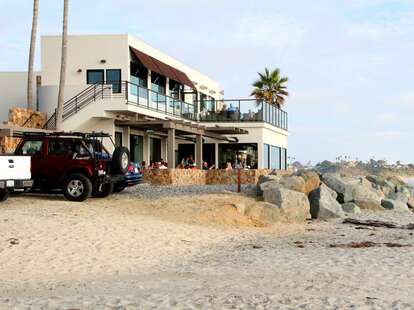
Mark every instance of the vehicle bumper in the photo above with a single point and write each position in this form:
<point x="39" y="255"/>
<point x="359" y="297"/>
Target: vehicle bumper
<point x="130" y="181"/>
<point x="4" y="184"/>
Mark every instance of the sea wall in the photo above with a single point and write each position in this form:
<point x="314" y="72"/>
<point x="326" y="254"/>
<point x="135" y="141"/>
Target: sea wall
<point x="203" y="177"/>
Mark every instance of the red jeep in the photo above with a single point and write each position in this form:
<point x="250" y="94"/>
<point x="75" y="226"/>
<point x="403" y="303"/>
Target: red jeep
<point x="76" y="163"/>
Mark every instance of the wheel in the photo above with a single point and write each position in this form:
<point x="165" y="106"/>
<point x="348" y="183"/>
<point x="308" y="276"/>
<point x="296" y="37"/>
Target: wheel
<point x="77" y="187"/>
<point x="120" y="160"/>
<point x="119" y="189"/>
<point x="103" y="190"/>
<point x="4" y="194"/>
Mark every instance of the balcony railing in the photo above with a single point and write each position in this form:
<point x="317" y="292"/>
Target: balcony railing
<point x="243" y="110"/>
<point x="152" y="100"/>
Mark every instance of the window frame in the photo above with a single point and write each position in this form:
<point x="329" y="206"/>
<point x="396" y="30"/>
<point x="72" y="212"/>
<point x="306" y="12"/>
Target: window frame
<point x="94" y="71"/>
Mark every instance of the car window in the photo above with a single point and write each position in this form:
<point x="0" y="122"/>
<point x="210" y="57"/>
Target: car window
<point x="60" y="147"/>
<point x="31" y="148"/>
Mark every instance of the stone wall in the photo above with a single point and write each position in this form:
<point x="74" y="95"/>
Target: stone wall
<point x="18" y="117"/>
<point x="203" y="177"/>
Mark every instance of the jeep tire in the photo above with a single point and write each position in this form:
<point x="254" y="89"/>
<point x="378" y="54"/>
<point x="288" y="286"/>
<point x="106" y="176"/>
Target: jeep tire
<point x="103" y="190"/>
<point x="120" y="160"/>
<point x="77" y="187"/>
<point x="4" y="194"/>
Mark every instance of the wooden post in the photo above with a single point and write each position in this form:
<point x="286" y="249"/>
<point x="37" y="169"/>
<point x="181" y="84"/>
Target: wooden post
<point x="238" y="180"/>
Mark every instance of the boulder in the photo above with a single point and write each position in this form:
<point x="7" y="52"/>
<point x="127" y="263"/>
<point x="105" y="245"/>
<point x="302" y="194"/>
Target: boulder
<point x="263" y="179"/>
<point x="311" y="178"/>
<point x="266" y="213"/>
<point x="351" y="208"/>
<point x="293" y="183"/>
<point x="343" y="189"/>
<point x="293" y="205"/>
<point x="323" y="205"/>
<point x="369" y="204"/>
<point x="385" y="185"/>
<point x="411" y="203"/>
<point x="396" y="180"/>
<point x="362" y="192"/>
<point x="402" y="195"/>
<point x="395" y="205"/>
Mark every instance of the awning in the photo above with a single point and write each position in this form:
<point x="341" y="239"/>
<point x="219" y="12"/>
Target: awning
<point x="162" y="68"/>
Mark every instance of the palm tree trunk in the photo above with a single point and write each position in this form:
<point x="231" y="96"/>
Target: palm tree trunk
<point x="30" y="75"/>
<point x="59" y="110"/>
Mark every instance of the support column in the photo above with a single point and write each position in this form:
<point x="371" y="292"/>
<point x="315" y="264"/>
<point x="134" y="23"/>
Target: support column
<point x="199" y="151"/>
<point x="216" y="155"/>
<point x="146" y="149"/>
<point x="149" y="79"/>
<point x="171" y="148"/>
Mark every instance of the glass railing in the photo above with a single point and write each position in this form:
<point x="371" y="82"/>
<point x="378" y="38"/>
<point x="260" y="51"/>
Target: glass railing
<point x="246" y="110"/>
<point x="147" y="98"/>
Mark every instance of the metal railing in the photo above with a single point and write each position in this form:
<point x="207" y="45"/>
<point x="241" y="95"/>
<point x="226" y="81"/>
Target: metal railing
<point x="132" y="93"/>
<point x="242" y="110"/>
<point x="152" y="100"/>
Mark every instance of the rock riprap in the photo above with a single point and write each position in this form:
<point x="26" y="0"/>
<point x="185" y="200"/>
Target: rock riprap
<point x="323" y="205"/>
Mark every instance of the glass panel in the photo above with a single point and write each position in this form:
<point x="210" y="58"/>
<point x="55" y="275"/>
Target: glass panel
<point x="283" y="159"/>
<point x="31" y="148"/>
<point x="113" y="76"/>
<point x="266" y="158"/>
<point x="275" y="157"/>
<point x="136" y="148"/>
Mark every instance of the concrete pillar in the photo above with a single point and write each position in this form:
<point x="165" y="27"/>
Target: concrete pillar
<point x="216" y="155"/>
<point x="171" y="148"/>
<point x="149" y="79"/>
<point x="260" y="155"/>
<point x="199" y="151"/>
<point x="167" y="86"/>
<point x="126" y="131"/>
<point x="164" y="148"/>
<point x="146" y="149"/>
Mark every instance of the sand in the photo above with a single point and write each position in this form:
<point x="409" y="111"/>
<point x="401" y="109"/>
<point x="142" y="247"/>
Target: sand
<point x="193" y="252"/>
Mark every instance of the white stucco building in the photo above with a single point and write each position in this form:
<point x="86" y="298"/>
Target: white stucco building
<point x="152" y="103"/>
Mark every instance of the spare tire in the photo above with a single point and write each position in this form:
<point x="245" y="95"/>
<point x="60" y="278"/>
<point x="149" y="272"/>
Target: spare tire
<point x="120" y="160"/>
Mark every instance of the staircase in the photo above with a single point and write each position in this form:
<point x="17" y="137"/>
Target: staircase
<point x="91" y="94"/>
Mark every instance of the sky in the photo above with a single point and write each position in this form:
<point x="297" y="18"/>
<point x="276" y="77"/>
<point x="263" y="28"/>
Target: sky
<point x="349" y="62"/>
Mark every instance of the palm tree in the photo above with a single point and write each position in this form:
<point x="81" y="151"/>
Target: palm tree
<point x="30" y="75"/>
<point x="59" y="110"/>
<point x="270" y="87"/>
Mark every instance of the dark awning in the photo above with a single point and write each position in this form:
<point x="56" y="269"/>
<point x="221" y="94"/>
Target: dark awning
<point x="162" y="68"/>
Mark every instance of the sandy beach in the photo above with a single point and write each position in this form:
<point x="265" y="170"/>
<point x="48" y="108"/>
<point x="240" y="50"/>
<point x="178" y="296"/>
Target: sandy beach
<point x="195" y="251"/>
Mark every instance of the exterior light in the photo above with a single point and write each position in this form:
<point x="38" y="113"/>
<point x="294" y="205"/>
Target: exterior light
<point x="103" y="61"/>
<point x="79" y="70"/>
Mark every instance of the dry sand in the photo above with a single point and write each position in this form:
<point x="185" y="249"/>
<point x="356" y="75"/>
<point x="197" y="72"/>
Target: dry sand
<point x="193" y="252"/>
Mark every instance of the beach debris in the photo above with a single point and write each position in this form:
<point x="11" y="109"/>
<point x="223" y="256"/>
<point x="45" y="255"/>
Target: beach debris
<point x="376" y="223"/>
<point x="13" y="241"/>
<point x="323" y="205"/>
<point x="368" y="244"/>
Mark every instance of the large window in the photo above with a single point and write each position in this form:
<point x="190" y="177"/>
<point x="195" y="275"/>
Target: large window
<point x="266" y="156"/>
<point x="275" y="157"/>
<point x="283" y="159"/>
<point x="242" y="155"/>
<point x="113" y="76"/>
<point x="31" y="148"/>
<point x="95" y="76"/>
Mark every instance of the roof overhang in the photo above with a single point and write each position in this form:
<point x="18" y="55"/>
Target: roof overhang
<point x="183" y="127"/>
<point x="162" y="68"/>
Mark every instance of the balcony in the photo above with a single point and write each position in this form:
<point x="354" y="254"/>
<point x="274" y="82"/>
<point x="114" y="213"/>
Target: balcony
<point x="151" y="100"/>
<point x="243" y="110"/>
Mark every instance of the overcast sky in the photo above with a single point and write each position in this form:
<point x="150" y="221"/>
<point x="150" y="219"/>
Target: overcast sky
<point x="350" y="62"/>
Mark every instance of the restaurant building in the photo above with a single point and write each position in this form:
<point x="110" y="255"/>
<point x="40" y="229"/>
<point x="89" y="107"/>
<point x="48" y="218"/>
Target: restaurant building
<point x="157" y="106"/>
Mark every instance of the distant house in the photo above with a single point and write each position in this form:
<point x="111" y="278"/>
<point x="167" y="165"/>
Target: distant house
<point x="152" y="103"/>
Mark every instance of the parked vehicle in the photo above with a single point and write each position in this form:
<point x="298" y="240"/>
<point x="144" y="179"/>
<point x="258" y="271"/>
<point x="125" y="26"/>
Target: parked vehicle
<point x="77" y="163"/>
<point x="131" y="178"/>
<point x="14" y="174"/>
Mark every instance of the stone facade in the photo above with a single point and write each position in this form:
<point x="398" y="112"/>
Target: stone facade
<point x="21" y="117"/>
<point x="202" y="177"/>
